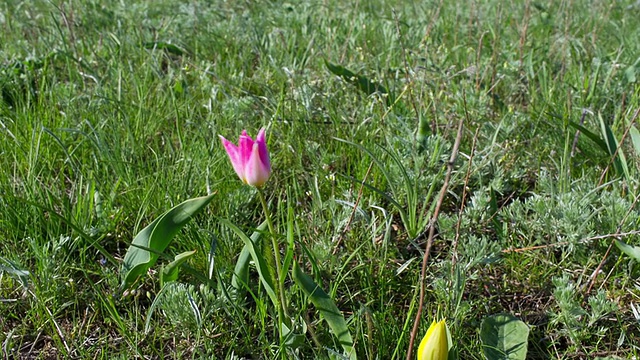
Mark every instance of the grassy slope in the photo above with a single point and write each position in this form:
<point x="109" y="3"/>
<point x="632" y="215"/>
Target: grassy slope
<point x="103" y="129"/>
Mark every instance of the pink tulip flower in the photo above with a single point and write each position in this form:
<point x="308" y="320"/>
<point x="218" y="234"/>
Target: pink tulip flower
<point x="250" y="159"/>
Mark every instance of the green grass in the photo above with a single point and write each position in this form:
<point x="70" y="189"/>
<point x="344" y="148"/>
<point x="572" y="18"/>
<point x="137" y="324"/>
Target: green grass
<point x="110" y="115"/>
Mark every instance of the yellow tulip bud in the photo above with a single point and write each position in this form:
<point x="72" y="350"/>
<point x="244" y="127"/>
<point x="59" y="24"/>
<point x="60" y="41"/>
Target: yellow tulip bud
<point x="434" y="345"/>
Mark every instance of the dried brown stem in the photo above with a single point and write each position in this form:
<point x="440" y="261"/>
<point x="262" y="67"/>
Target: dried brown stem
<point x="432" y="222"/>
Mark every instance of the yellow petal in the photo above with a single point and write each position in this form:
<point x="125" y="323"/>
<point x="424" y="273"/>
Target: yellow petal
<point x="434" y="345"/>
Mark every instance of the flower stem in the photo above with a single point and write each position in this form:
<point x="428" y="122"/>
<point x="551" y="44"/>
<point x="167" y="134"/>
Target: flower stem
<point x="282" y="309"/>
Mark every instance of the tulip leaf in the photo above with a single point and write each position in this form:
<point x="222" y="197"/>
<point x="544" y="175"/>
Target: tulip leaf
<point x="154" y="239"/>
<point x="240" y="277"/>
<point x="258" y="259"/>
<point x="632" y="251"/>
<point x="362" y="83"/>
<point x="504" y="337"/>
<point x="170" y="271"/>
<point x="327" y="309"/>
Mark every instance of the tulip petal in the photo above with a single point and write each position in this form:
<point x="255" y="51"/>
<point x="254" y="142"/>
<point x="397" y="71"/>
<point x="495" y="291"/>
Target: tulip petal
<point x="262" y="147"/>
<point x="434" y="345"/>
<point x="245" y="146"/>
<point x="234" y="156"/>
<point x="250" y="159"/>
<point x="256" y="172"/>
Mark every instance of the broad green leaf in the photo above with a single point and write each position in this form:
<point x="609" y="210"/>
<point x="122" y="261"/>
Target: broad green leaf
<point x="240" y="277"/>
<point x="258" y="259"/>
<point x="153" y="239"/>
<point x="632" y="251"/>
<point x="170" y="271"/>
<point x="327" y="309"/>
<point x="504" y="337"/>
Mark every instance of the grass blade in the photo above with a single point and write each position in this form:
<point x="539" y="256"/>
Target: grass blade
<point x="619" y="161"/>
<point x="588" y="133"/>
<point x="635" y="139"/>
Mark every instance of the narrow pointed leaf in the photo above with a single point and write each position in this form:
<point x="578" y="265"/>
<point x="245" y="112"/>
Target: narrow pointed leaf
<point x="288" y="255"/>
<point x="619" y="161"/>
<point x="588" y="133"/>
<point x="154" y="239"/>
<point x="168" y="47"/>
<point x="258" y="259"/>
<point x="240" y="277"/>
<point x="632" y="251"/>
<point x="504" y="337"/>
<point x="170" y="271"/>
<point x="327" y="309"/>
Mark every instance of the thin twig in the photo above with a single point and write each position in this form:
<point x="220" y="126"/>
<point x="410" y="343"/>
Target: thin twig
<point x="353" y="213"/>
<point x="564" y="243"/>
<point x="432" y="227"/>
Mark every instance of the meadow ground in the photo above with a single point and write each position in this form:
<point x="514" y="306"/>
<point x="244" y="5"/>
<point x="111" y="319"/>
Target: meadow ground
<point x="110" y="115"/>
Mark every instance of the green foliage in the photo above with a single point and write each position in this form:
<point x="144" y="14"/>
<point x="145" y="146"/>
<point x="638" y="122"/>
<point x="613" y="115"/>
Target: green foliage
<point x="407" y="186"/>
<point x="171" y="270"/>
<point x="631" y="251"/>
<point x="253" y="248"/>
<point x="504" y="337"/>
<point x="327" y="309"/>
<point x="571" y="318"/>
<point x="240" y="277"/>
<point x="150" y="243"/>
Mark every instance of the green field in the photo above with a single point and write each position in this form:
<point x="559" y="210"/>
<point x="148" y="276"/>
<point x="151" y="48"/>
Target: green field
<point x="110" y="113"/>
